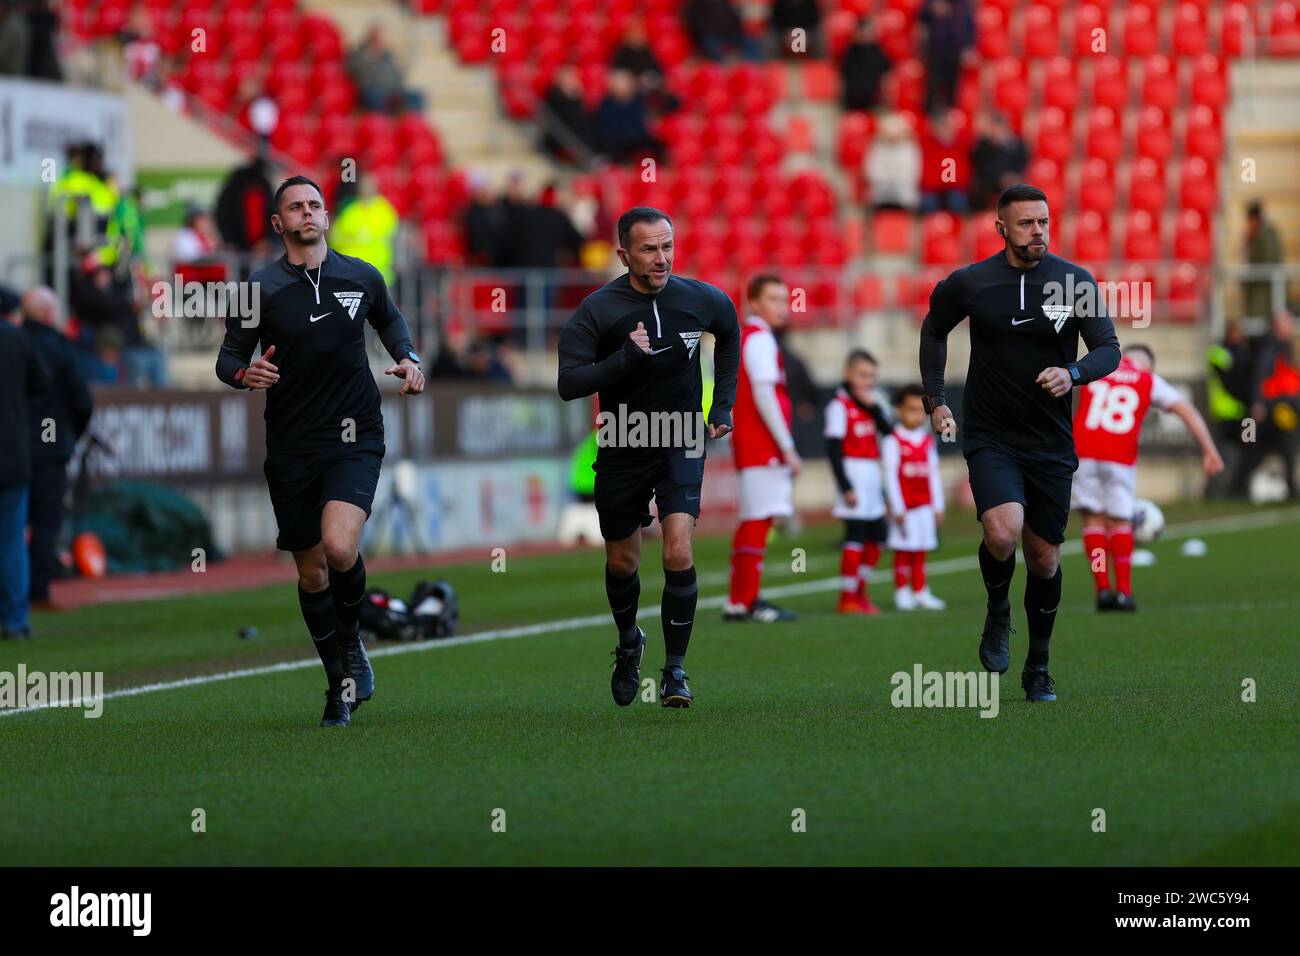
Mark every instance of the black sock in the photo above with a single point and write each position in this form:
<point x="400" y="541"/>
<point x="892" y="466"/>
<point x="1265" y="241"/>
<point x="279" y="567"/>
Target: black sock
<point x="623" y="594"/>
<point x="1042" y="598"/>
<point x="677" y="611"/>
<point x="348" y="588"/>
<point x="997" y="579"/>
<point x="322" y="623"/>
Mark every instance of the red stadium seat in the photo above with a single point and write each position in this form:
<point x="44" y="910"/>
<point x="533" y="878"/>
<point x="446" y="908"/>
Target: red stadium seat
<point x="891" y="232"/>
<point x="1190" y="33"/>
<point x="1237" y="28"/>
<point x="1060" y="84"/>
<point x="854" y="138"/>
<point x="1053" y="139"/>
<point x="1010" y="85"/>
<point x="1210" y="83"/>
<point x="1092" y="238"/>
<point x="1159" y="82"/>
<point x="1196" y="186"/>
<point x="1046" y="174"/>
<point x="1192" y="240"/>
<point x="1141" y="31"/>
<point x="1110" y="86"/>
<point x="1088" y="19"/>
<point x="1105" y="134"/>
<point x="993" y="37"/>
<point x="1097" y="187"/>
<point x="1146" y="189"/>
<point x="1284" y="29"/>
<point x="1204" y="136"/>
<point x="1042" y="32"/>
<point x="987" y="240"/>
<point x="1142" y="236"/>
<point x="941" y="238"/>
<point x="1154" y="139"/>
<point x="1186" y="288"/>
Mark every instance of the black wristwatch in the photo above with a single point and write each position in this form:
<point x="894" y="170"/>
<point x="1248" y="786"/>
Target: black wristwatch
<point x="1075" y="376"/>
<point x="931" y="403"/>
<point x="410" y="353"/>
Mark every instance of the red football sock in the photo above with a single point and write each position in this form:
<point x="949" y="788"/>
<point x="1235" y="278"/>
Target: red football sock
<point x="1121" y="552"/>
<point x="870" y="558"/>
<point x="902" y="568"/>
<point x="850" y="559"/>
<point x="918" y="570"/>
<point x="1094" y="549"/>
<point x="747" y="549"/>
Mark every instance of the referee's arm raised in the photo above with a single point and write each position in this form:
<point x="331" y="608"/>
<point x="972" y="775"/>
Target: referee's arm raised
<point x="580" y="372"/>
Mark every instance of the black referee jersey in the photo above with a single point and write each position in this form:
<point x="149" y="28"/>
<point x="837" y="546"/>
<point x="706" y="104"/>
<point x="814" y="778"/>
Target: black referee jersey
<point x="316" y="320"/>
<point x="596" y="354"/>
<point x="1012" y="339"/>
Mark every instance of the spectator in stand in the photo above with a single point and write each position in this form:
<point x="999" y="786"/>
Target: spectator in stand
<point x="59" y="416"/>
<point x="23" y="379"/>
<point x="374" y="70"/>
<point x="103" y="363"/>
<point x="139" y="48"/>
<point x="550" y="240"/>
<point x="949" y="40"/>
<point x="15" y="40"/>
<point x="622" y="123"/>
<point x="565" y="101"/>
<point x="1275" y="407"/>
<point x="42" y="55"/>
<point x="195" y="256"/>
<point x="635" y="56"/>
<point x="487" y="360"/>
<point x="102" y="301"/>
<point x="244" y="209"/>
<point x="790" y="15"/>
<point x="893" y="166"/>
<point x="715" y="28"/>
<point x="863" y="69"/>
<point x="484" y="224"/>
<point x="367" y="228"/>
<point x="998" y="159"/>
<point x="1263" y="248"/>
<point x="945" y="164"/>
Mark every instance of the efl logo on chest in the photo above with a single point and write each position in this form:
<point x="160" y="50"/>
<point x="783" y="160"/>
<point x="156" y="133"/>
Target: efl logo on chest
<point x="350" y="301"/>
<point x="692" y="340"/>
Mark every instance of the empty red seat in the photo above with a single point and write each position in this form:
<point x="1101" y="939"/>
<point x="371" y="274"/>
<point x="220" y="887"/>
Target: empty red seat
<point x="1046" y="174"/>
<point x="1204" y="134"/>
<point x="1192" y="239"/>
<point x="1060" y="84"/>
<point x="1284" y="29"/>
<point x="1141" y="31"/>
<point x="1142" y="236"/>
<point x="993" y="37"/>
<point x="1053" y="139"/>
<point x="1237" y="28"/>
<point x="1210" y="82"/>
<point x="1105" y="134"/>
<point x="891" y="232"/>
<point x="1042" y="33"/>
<point x="1196" y="187"/>
<point x="1190" y="33"/>
<point x="1092" y="238"/>
<point x="1090" y="30"/>
<point x="941" y="238"/>
<point x="1146" y="189"/>
<point x="1154" y="139"/>
<point x="1097" y="187"/>
<point x="855" y="137"/>
<point x="1159" y="82"/>
<point x="1110" y="82"/>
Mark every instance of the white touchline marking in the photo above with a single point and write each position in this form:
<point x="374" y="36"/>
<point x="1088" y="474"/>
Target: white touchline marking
<point x="1224" y="525"/>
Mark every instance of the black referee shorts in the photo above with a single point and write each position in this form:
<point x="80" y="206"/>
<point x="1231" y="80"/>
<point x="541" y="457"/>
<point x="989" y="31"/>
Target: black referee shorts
<point x="300" y="486"/>
<point x="1040" y="483"/>
<point x="624" y="489"/>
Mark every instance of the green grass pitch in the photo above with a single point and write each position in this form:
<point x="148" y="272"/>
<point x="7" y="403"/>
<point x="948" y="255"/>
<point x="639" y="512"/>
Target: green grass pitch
<point x="1150" y="726"/>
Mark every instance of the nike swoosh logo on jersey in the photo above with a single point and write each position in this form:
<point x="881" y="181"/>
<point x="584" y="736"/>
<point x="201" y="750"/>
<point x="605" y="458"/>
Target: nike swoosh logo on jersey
<point x="1022" y="321"/>
<point x="657" y="351"/>
<point x="317" y="318"/>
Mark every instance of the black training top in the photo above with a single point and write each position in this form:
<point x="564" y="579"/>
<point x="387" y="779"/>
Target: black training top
<point x="596" y="354"/>
<point x="1012" y="339"/>
<point x="316" y="319"/>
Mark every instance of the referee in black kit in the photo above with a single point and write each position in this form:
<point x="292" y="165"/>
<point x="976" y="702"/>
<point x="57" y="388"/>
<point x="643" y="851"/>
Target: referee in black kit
<point x="1016" y="412"/>
<point x="324" y="430"/>
<point x="636" y="342"/>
